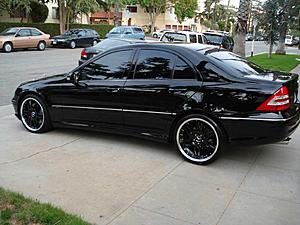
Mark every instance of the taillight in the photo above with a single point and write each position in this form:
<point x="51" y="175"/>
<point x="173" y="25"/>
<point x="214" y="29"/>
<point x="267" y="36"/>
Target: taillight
<point x="84" y="54"/>
<point x="279" y="101"/>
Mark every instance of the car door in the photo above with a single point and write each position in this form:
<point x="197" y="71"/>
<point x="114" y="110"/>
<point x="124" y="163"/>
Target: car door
<point x="151" y="96"/>
<point x="23" y="39"/>
<point x="82" y="38"/>
<point x="96" y="97"/>
<point x="127" y="33"/>
<point x="35" y="37"/>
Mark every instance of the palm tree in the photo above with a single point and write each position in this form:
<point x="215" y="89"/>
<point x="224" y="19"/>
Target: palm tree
<point x="241" y="27"/>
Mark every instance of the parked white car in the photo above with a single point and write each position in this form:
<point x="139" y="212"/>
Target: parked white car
<point x="291" y="40"/>
<point x="183" y="36"/>
<point x="159" y="33"/>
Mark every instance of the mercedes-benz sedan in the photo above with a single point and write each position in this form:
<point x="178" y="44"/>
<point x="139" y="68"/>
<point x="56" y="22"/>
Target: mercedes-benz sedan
<point x="199" y="97"/>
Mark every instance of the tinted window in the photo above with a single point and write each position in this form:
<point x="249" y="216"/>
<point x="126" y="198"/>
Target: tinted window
<point x="193" y="38"/>
<point x="109" y="43"/>
<point x="217" y="39"/>
<point x="127" y="31"/>
<point x="182" y="70"/>
<point x="35" y="32"/>
<point x="170" y="37"/>
<point x="209" y="72"/>
<point x="153" y="64"/>
<point x="112" y="66"/>
<point x="137" y="30"/>
<point x="199" y="39"/>
<point x="24" y="32"/>
<point x="240" y="66"/>
<point x="81" y="33"/>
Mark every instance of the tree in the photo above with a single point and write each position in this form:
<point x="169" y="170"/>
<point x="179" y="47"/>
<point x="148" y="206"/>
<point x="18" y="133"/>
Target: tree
<point x="270" y="24"/>
<point x="286" y="14"/>
<point x="20" y="4"/>
<point x="39" y="12"/>
<point x="185" y="9"/>
<point x="153" y="7"/>
<point x="241" y="27"/>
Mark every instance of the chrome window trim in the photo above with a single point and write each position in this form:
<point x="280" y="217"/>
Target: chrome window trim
<point x="256" y="119"/>
<point x="112" y="109"/>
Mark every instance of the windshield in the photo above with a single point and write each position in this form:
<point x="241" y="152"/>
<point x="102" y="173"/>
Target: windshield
<point x="109" y="43"/>
<point x="214" y="38"/>
<point x="70" y="32"/>
<point x="173" y="37"/>
<point x="240" y="66"/>
<point x="9" y="31"/>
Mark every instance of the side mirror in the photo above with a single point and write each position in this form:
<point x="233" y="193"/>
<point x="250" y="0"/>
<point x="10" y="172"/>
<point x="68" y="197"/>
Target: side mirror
<point x="17" y="35"/>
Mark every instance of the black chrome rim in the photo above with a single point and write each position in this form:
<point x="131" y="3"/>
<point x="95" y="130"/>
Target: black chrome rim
<point x="32" y="114"/>
<point x="197" y="139"/>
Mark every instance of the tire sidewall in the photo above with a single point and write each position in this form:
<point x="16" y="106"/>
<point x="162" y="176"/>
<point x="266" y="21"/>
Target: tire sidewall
<point x="43" y="44"/>
<point x="214" y="125"/>
<point x="4" y="47"/>
<point x="47" y="120"/>
<point x="94" y="42"/>
<point x="71" y="45"/>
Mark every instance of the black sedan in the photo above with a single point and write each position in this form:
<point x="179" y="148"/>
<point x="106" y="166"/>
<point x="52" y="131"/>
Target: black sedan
<point x="76" y="37"/>
<point x="219" y="39"/>
<point x="104" y="45"/>
<point x="197" y="96"/>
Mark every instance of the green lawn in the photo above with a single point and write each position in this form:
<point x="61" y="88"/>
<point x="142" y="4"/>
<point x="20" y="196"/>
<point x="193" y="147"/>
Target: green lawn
<point x="18" y="210"/>
<point x="277" y="62"/>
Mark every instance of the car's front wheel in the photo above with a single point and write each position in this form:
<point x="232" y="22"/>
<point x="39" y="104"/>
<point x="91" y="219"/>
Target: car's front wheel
<point x="72" y="44"/>
<point x="7" y="47"/>
<point x="34" y="114"/>
<point x="95" y="42"/>
<point x="198" y="138"/>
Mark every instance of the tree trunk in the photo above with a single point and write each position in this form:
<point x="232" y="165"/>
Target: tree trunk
<point x="241" y="28"/>
<point x="240" y="38"/>
<point x="281" y="43"/>
<point x="270" y="51"/>
<point x="68" y="19"/>
<point x="152" y="18"/>
<point x="62" y="16"/>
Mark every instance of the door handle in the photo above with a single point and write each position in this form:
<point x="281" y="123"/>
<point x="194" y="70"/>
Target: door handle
<point x="112" y="90"/>
<point x="177" y="89"/>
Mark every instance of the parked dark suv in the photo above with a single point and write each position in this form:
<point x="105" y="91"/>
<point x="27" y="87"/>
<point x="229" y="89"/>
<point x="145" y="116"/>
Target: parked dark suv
<point x="222" y="40"/>
<point x="77" y="37"/>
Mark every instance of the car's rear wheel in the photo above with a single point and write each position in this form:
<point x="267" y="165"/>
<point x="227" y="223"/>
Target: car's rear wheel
<point x="198" y="138"/>
<point x="72" y="44"/>
<point x="8" y="47"/>
<point x="34" y="114"/>
<point x="41" y="46"/>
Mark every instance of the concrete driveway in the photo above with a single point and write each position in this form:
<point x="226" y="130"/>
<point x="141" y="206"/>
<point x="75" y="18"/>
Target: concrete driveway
<point x="113" y="179"/>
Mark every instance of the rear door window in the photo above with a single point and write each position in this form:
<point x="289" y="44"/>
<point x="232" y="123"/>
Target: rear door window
<point x="200" y="39"/>
<point x="193" y="38"/>
<point x="35" y="32"/>
<point x="154" y="64"/>
<point x="182" y="70"/>
<point x="24" y="33"/>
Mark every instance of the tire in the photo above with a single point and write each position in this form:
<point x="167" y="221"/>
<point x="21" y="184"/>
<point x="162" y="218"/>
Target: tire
<point x="7" y="47"/>
<point x="155" y="36"/>
<point x="41" y="46"/>
<point x="72" y="44"/>
<point x="94" y="42"/>
<point x="34" y="114"/>
<point x="198" y="139"/>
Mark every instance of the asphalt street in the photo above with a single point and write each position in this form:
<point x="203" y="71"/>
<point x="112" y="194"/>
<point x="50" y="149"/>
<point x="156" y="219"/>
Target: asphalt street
<point x="20" y="66"/>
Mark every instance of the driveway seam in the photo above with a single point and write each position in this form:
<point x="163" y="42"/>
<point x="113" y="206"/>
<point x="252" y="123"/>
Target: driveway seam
<point x="37" y="153"/>
<point x="144" y="193"/>
<point x="237" y="189"/>
<point x="162" y="214"/>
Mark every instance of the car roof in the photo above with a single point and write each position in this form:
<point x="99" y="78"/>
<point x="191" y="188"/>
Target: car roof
<point x="24" y="27"/>
<point x="183" y="32"/>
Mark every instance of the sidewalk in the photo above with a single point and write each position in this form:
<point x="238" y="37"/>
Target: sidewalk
<point x="296" y="69"/>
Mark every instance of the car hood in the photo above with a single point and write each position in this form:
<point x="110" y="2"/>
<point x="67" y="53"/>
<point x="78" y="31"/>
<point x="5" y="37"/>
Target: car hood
<point x="44" y="80"/>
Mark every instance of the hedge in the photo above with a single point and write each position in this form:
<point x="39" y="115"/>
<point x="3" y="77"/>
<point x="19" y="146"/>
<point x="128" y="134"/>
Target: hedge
<point x="53" y="28"/>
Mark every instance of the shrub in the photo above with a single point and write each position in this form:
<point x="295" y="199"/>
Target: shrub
<point x="39" y="12"/>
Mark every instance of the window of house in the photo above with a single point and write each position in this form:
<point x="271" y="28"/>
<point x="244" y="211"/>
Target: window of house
<point x="55" y="13"/>
<point x="114" y="65"/>
<point x="154" y="64"/>
<point x="132" y="9"/>
<point x="182" y="70"/>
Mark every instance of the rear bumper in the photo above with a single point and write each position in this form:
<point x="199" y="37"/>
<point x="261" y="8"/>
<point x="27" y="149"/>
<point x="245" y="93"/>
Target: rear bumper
<point x="260" y="130"/>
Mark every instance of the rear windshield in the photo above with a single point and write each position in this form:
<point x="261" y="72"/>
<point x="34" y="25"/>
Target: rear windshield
<point x="171" y="37"/>
<point x="137" y="30"/>
<point x="238" y="65"/>
<point x="9" y="31"/>
<point x="214" y="38"/>
<point x="110" y="43"/>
